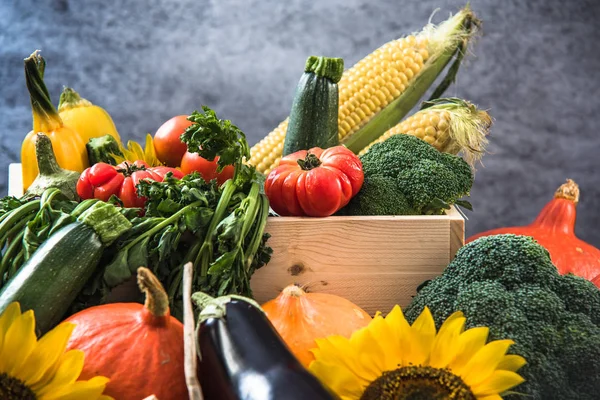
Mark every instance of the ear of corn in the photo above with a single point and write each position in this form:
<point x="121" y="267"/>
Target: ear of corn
<point x="450" y="125"/>
<point x="378" y="91"/>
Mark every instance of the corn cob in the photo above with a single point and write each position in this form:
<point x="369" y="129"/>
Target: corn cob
<point x="378" y="91"/>
<point x="450" y="125"/>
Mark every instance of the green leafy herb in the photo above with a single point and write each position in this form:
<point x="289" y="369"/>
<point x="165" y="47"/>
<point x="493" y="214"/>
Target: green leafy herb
<point x="210" y="137"/>
<point x="219" y="229"/>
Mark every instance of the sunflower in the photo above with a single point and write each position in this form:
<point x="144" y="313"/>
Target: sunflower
<point x="41" y="370"/>
<point x="390" y="359"/>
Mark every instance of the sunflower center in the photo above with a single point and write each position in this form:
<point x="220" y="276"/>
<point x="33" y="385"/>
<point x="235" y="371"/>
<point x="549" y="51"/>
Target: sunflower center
<point x="418" y="383"/>
<point x="13" y="389"/>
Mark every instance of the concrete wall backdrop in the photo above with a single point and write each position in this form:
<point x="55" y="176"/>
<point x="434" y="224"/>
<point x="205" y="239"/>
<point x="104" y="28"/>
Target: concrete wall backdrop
<point x="536" y="68"/>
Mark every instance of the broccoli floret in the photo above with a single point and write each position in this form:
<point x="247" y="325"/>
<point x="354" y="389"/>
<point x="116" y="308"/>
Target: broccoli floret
<point x="378" y="196"/>
<point x="413" y="173"/>
<point x="509" y="284"/>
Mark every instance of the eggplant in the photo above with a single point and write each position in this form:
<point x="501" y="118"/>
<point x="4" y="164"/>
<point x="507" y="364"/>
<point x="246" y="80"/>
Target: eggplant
<point x="242" y="357"/>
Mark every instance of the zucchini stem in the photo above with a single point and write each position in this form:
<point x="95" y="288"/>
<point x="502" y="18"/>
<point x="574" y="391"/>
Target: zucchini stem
<point x="330" y="68"/>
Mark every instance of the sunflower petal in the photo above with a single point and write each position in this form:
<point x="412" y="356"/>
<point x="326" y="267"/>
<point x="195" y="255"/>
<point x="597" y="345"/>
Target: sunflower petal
<point x="20" y="338"/>
<point x="336" y="350"/>
<point x="400" y="328"/>
<point x="499" y="382"/>
<point x="444" y="346"/>
<point x="389" y="339"/>
<point x="371" y="353"/>
<point x="71" y="364"/>
<point x="485" y="361"/>
<point x="512" y="362"/>
<point x="46" y="354"/>
<point x="423" y="334"/>
<point x="469" y="342"/>
<point x="338" y="379"/>
<point x="80" y="390"/>
<point x="6" y="320"/>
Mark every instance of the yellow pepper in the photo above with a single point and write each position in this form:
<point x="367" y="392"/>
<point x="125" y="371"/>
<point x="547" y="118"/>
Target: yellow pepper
<point x="87" y="119"/>
<point x="69" y="148"/>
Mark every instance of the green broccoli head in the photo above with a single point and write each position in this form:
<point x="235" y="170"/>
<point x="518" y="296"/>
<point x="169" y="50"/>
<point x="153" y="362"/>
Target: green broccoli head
<point x="378" y="196"/>
<point x="418" y="172"/>
<point x="508" y="283"/>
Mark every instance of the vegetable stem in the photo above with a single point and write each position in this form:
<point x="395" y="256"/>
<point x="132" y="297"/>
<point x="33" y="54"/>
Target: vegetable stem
<point x="24" y="220"/>
<point x="45" y="116"/>
<point x="253" y="206"/>
<point x="46" y="160"/>
<point x="330" y="68"/>
<point x="19" y="213"/>
<point x="69" y="99"/>
<point x="161" y="225"/>
<point x="258" y="234"/>
<point x="309" y="162"/>
<point x="157" y="301"/>
<point x="205" y="254"/>
<point x="12" y="250"/>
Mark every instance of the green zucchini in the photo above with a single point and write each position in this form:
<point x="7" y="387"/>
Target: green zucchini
<point x="55" y="274"/>
<point x="314" y="116"/>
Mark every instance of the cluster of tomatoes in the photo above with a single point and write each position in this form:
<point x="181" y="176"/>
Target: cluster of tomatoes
<point x="312" y="182"/>
<point x="101" y="181"/>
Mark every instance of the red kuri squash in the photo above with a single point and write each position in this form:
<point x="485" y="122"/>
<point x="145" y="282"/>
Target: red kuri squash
<point x="554" y="228"/>
<point x="139" y="347"/>
<point x="302" y="317"/>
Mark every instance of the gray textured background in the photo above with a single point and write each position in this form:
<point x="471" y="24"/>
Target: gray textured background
<point x="536" y="68"/>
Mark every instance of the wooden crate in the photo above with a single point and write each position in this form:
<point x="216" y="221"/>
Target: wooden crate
<point x="373" y="261"/>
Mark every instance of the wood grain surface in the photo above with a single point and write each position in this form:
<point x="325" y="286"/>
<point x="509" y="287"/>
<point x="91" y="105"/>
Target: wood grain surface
<point x="375" y="262"/>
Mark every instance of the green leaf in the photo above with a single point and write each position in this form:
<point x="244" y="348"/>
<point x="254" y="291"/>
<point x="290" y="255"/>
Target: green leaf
<point x="118" y="270"/>
<point x="168" y="206"/>
<point x="464" y="204"/>
<point x="197" y="218"/>
<point x="223" y="262"/>
<point x="168" y="242"/>
<point x="138" y="255"/>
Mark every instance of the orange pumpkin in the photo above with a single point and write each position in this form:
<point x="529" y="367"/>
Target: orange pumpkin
<point x="302" y="317"/>
<point x="554" y="228"/>
<point x="139" y="347"/>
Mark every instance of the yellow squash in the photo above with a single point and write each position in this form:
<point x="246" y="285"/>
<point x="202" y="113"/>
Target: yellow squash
<point x="87" y="119"/>
<point x="69" y="147"/>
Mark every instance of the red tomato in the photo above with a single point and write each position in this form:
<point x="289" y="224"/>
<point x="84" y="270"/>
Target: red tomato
<point x="103" y="180"/>
<point x="314" y="183"/>
<point x="192" y="162"/>
<point x="167" y="143"/>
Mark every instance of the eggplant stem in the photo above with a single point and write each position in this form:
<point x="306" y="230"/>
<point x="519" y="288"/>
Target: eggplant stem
<point x="215" y="307"/>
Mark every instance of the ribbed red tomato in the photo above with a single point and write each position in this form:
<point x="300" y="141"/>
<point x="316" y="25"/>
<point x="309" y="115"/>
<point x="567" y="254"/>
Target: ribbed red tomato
<point x="314" y="183"/>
